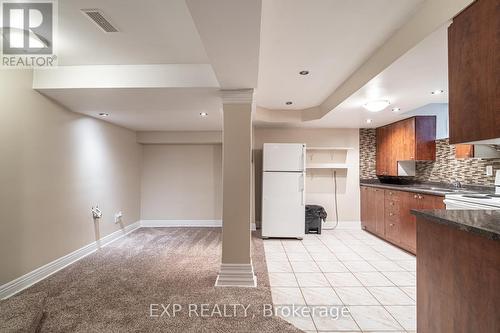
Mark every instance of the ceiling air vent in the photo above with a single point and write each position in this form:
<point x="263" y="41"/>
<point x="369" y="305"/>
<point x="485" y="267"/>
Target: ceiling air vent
<point x="98" y="18"/>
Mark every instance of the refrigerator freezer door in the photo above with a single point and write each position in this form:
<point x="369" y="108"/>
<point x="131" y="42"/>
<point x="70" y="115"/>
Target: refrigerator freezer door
<point x="283" y="204"/>
<point x="284" y="157"/>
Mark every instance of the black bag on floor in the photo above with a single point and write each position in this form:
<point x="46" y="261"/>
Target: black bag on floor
<point x="314" y="216"/>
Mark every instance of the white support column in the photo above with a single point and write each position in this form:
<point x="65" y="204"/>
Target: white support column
<point x="236" y="268"/>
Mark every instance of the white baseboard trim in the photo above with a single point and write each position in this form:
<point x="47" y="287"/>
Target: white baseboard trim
<point x="185" y="223"/>
<point x="236" y="275"/>
<point x="13" y="287"/>
<point x="180" y="223"/>
<point x="342" y="225"/>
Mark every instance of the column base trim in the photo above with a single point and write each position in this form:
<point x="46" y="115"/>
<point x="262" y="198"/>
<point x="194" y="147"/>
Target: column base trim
<point x="236" y="275"/>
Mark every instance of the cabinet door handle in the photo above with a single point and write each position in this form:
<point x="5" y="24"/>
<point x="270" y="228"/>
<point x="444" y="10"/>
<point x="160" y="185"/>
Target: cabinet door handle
<point x="391" y="225"/>
<point x="391" y="203"/>
<point x="415" y="196"/>
<point x="391" y="214"/>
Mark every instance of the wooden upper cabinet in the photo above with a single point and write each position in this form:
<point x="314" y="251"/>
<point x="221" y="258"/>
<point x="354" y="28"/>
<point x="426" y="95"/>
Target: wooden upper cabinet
<point x="382" y="151"/>
<point x="404" y="139"/>
<point x="473" y="72"/>
<point x="425" y="138"/>
<point x="412" y="139"/>
<point x="386" y="164"/>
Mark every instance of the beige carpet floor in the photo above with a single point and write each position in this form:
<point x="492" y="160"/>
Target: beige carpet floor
<point x="112" y="290"/>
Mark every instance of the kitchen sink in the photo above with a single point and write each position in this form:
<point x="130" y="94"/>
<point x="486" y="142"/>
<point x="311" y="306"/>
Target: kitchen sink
<point x="444" y="190"/>
<point x="440" y="189"/>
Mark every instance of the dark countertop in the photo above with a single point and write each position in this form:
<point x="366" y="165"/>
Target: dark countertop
<point x="485" y="223"/>
<point x="425" y="188"/>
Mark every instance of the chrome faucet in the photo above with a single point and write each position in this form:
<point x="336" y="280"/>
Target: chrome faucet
<point x="456" y="184"/>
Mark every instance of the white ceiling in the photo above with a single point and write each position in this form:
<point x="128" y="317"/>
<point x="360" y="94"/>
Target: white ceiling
<point x="151" y="109"/>
<point x="151" y="32"/>
<point x="330" y="38"/>
<point x="230" y="31"/>
<point x="407" y="84"/>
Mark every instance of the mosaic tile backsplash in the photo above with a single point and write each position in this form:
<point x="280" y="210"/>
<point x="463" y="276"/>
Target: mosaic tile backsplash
<point x="367" y="153"/>
<point x="446" y="168"/>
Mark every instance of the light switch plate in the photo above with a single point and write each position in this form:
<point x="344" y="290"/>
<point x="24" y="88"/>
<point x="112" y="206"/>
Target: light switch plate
<point x="489" y="170"/>
<point x="118" y="217"/>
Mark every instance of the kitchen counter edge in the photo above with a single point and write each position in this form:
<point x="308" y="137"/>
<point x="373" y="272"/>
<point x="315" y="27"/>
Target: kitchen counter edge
<point x="485" y="223"/>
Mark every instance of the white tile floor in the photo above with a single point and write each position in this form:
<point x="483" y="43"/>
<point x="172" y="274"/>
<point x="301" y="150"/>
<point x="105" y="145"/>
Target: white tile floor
<point x="344" y="267"/>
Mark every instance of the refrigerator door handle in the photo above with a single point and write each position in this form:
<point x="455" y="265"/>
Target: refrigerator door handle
<point x="302" y="189"/>
<point x="304" y="158"/>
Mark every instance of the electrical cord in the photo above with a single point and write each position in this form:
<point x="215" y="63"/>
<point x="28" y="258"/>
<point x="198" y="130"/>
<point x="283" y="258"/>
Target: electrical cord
<point x="335" y="199"/>
<point x="335" y="202"/>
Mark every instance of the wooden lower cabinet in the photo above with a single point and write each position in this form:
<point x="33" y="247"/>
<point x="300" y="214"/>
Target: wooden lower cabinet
<point x="386" y="213"/>
<point x="372" y="209"/>
<point x="365" y="207"/>
<point x="392" y="214"/>
<point x="378" y="199"/>
<point x="408" y="230"/>
<point x="458" y="279"/>
<point x="392" y="230"/>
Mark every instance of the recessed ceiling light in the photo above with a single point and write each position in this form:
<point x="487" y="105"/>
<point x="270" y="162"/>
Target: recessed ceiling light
<point x="103" y="114"/>
<point x="369" y="121"/>
<point x="437" y="92"/>
<point x="396" y="109"/>
<point x="289" y="103"/>
<point x="376" y="106"/>
<point x="304" y="72"/>
<point x="203" y="114"/>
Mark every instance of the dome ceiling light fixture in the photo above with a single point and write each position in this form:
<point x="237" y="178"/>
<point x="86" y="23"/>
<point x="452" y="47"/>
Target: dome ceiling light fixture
<point x="377" y="106"/>
<point x="203" y="114"/>
<point x="289" y="103"/>
<point x="437" y="92"/>
<point x="304" y="72"/>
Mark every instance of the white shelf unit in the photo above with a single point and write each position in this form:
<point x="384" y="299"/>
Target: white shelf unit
<point x="325" y="165"/>
<point x="328" y="148"/>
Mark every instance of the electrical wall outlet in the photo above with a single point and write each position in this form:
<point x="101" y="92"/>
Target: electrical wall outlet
<point x="118" y="217"/>
<point x="489" y="170"/>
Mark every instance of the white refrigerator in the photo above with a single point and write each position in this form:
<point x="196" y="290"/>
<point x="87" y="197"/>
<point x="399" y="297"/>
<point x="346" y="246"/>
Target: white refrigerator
<point x="283" y="190"/>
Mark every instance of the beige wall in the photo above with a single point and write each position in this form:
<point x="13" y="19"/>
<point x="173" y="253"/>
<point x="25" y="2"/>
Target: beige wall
<point x="54" y="165"/>
<point x="319" y="183"/>
<point x="180" y="137"/>
<point x="182" y="182"/>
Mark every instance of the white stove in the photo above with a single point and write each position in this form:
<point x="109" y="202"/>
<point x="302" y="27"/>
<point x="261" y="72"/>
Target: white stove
<point x="472" y="201"/>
